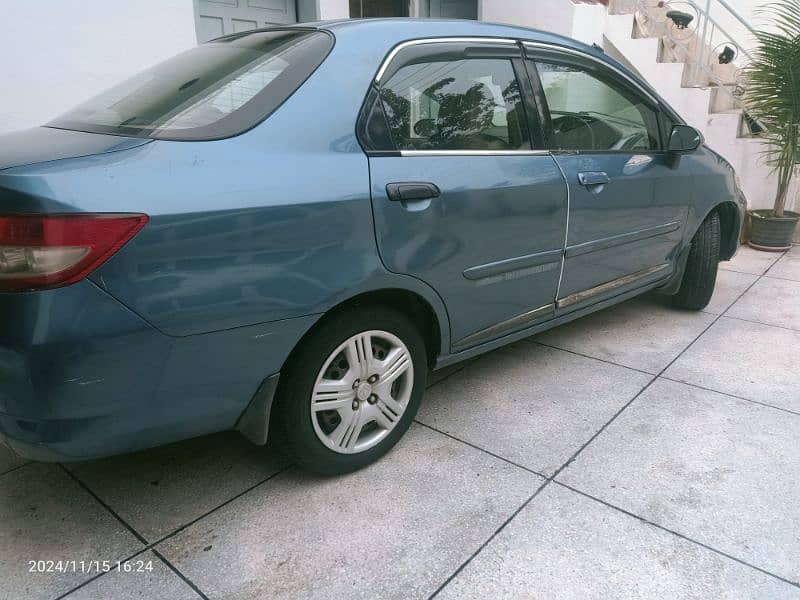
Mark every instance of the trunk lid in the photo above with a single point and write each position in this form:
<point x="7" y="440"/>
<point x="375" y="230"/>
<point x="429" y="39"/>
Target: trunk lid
<point x="43" y="144"/>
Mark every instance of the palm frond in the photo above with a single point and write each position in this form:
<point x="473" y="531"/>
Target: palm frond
<point x="773" y="89"/>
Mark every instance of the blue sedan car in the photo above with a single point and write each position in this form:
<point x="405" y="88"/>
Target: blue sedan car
<point x="284" y="231"/>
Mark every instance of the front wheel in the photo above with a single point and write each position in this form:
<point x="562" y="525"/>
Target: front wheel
<point x="352" y="389"/>
<point x="700" y="274"/>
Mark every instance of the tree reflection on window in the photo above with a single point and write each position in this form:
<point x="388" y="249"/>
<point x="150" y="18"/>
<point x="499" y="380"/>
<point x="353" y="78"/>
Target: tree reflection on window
<point x="462" y="105"/>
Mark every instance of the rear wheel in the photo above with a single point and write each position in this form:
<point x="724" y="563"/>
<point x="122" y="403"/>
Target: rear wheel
<point x="700" y="275"/>
<point x="352" y="389"/>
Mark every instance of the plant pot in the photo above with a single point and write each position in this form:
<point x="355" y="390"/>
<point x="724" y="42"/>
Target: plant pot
<point x="768" y="232"/>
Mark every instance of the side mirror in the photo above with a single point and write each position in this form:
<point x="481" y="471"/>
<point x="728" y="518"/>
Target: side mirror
<point x="684" y="139"/>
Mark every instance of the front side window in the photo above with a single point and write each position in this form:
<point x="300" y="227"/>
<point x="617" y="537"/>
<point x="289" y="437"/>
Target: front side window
<point x="471" y="104"/>
<point x="215" y="90"/>
<point x="589" y="113"/>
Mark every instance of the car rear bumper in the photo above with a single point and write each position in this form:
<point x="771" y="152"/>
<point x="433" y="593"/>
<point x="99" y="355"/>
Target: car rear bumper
<point x="81" y="376"/>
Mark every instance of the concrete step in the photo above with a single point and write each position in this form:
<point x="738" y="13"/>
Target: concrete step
<point x="707" y="107"/>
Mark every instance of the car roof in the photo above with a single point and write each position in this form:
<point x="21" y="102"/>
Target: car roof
<point x="401" y="29"/>
<point x="387" y="33"/>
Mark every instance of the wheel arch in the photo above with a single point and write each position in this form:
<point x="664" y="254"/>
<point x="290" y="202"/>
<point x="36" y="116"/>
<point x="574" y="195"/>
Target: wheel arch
<point x="730" y="228"/>
<point x="730" y="221"/>
<point x="433" y="324"/>
<point x="422" y="306"/>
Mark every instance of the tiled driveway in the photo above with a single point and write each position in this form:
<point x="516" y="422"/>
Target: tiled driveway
<point x="642" y="452"/>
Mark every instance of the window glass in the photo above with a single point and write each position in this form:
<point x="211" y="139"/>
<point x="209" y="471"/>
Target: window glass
<point x="472" y="104"/>
<point x="217" y="89"/>
<point x="588" y="113"/>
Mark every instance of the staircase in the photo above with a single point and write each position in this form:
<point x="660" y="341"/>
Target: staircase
<point x="688" y="69"/>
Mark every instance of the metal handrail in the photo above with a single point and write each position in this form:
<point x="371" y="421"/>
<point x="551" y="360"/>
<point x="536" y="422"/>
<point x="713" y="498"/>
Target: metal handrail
<point x="715" y="23"/>
<point x="705" y="45"/>
<point x="738" y="17"/>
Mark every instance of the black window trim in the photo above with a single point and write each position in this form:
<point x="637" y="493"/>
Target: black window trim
<point x="473" y="47"/>
<point x="538" y="51"/>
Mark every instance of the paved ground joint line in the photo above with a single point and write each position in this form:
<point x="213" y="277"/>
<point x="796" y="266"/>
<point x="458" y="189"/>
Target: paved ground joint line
<point x="17" y="468"/>
<point x="576" y="353"/>
<point x="586" y="444"/>
<point x="99" y="575"/>
<point x="780" y="254"/>
<point x="768" y="276"/>
<point x="677" y="534"/>
<point x="446" y="377"/>
<point x="151" y="545"/>
<point x="760" y="323"/>
<point x="183" y="577"/>
<point x="489" y="539"/>
<point x="484" y="450"/>
<point x="729" y="395"/>
<point x="690" y="384"/>
<point x="102" y="503"/>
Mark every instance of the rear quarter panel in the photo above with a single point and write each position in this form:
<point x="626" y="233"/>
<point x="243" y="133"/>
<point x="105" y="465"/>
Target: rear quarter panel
<point x="272" y="224"/>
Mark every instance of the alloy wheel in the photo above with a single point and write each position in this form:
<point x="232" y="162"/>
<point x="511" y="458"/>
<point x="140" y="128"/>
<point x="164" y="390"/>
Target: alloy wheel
<point x="362" y="391"/>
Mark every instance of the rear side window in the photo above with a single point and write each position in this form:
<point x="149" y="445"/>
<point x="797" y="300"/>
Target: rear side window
<point x="471" y="104"/>
<point x="216" y="90"/>
<point x="589" y="113"/>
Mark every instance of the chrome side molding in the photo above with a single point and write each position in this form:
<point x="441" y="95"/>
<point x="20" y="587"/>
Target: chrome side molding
<point x="622" y="239"/>
<point x="474" y="152"/>
<point x="507" y="326"/>
<point x="507" y="268"/>
<point x="441" y="40"/>
<point x="610" y="286"/>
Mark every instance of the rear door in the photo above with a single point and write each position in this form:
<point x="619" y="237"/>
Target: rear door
<point x="461" y="201"/>
<point x="628" y="197"/>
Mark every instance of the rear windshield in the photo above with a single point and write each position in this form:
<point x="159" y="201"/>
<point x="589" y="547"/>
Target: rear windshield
<point x="216" y="90"/>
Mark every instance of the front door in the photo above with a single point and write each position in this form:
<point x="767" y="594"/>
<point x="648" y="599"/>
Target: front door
<point x="461" y="201"/>
<point x="628" y="201"/>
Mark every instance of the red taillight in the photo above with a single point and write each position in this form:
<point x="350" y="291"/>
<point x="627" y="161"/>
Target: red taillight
<point x="46" y="251"/>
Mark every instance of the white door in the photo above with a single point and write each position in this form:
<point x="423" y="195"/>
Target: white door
<point x="220" y="17"/>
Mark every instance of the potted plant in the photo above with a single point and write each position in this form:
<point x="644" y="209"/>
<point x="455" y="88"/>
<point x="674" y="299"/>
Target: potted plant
<point x="773" y="100"/>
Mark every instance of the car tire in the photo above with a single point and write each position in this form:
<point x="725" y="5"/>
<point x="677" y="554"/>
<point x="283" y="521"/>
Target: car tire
<point x="373" y="401"/>
<point x="700" y="274"/>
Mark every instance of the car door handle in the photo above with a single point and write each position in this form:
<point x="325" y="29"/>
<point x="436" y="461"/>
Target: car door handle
<point x="592" y="178"/>
<point x="411" y="191"/>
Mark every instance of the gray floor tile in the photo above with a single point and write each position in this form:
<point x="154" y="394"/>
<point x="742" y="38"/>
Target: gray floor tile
<point x="730" y="285"/>
<point x="643" y="333"/>
<point x="723" y="471"/>
<point x="566" y="546"/>
<point x="749" y="260"/>
<point x="788" y="266"/>
<point x="46" y="516"/>
<point x="772" y="302"/>
<point x="436" y="376"/>
<point x="158" y="490"/>
<point x="393" y="530"/>
<point x="750" y="360"/>
<point x="530" y="404"/>
<point x="9" y="460"/>
<point x="137" y="584"/>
